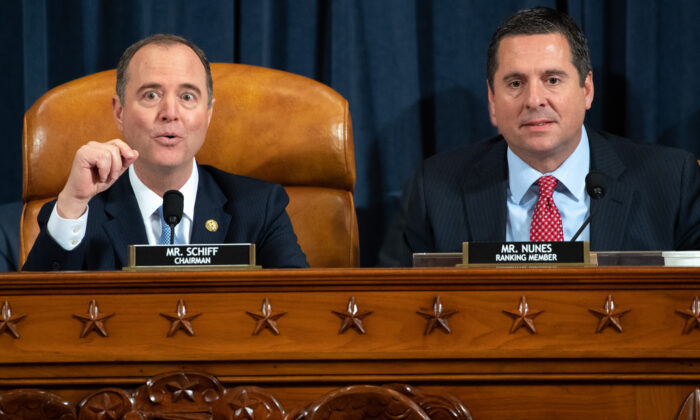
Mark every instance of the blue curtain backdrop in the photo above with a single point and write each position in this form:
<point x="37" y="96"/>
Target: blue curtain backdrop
<point x="413" y="70"/>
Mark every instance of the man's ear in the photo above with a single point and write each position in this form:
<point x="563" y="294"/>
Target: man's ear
<point x="492" y="105"/>
<point x="210" y="111"/>
<point x="588" y="89"/>
<point x="117" y="112"/>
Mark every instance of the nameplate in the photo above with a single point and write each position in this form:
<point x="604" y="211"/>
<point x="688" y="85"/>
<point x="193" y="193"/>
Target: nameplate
<point x="525" y="254"/>
<point x="184" y="257"/>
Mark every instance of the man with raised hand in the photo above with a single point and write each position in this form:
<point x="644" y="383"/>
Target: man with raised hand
<point x="163" y="105"/>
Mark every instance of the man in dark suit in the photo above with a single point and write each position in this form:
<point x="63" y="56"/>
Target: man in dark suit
<point x="540" y="84"/>
<point x="163" y="105"/>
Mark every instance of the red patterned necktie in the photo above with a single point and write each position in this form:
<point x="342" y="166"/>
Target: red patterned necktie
<point x="546" y="221"/>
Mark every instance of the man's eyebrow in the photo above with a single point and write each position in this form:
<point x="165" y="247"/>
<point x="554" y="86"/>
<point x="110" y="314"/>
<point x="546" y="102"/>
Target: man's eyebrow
<point x="149" y="86"/>
<point x="548" y="72"/>
<point x="555" y="72"/>
<point x="187" y="86"/>
<point x="191" y="87"/>
<point x="513" y="75"/>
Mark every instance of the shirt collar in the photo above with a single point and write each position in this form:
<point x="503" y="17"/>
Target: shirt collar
<point x="571" y="174"/>
<point x="149" y="201"/>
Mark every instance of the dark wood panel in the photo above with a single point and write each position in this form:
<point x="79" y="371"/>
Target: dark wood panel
<point x="509" y="343"/>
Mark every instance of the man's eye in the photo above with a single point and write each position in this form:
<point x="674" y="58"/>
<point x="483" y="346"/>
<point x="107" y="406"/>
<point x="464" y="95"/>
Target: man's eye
<point x="151" y="95"/>
<point x="553" y="80"/>
<point x="515" y="84"/>
<point x="188" y="97"/>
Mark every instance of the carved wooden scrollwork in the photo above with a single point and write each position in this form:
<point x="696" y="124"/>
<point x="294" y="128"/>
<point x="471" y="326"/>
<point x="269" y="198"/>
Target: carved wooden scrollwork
<point x="181" y="395"/>
<point x="33" y="404"/>
<point x="106" y="404"/>
<point x="248" y="402"/>
<point x="435" y="406"/>
<point x="690" y="410"/>
<point x="199" y="396"/>
<point x="363" y="402"/>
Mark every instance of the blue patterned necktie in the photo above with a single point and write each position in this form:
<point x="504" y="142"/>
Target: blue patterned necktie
<point x="164" y="229"/>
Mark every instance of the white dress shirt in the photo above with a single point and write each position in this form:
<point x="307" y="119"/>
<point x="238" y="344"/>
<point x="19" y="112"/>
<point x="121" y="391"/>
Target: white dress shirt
<point x="569" y="195"/>
<point x="70" y="232"/>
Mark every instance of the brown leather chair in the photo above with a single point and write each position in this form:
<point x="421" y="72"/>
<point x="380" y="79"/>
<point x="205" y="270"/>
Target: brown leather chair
<point x="267" y="124"/>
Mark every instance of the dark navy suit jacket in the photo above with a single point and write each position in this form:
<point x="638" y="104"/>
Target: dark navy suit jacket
<point x="246" y="209"/>
<point x="652" y="200"/>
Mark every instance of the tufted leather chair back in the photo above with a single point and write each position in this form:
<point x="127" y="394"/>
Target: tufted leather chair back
<point x="267" y="124"/>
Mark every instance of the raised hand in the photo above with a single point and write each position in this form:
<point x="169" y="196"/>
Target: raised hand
<point x="96" y="167"/>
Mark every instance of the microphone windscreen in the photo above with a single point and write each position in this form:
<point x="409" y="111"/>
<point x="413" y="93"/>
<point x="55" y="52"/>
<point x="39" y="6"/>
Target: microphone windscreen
<point x="173" y="204"/>
<point x="595" y="184"/>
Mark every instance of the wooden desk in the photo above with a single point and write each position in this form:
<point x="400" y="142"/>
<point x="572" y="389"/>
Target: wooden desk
<point x="574" y="366"/>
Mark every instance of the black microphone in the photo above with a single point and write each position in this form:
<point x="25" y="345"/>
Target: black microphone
<point x="595" y="187"/>
<point x="173" y="204"/>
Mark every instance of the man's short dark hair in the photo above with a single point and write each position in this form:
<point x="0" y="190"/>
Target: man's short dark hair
<point x="160" y="39"/>
<point x="538" y="21"/>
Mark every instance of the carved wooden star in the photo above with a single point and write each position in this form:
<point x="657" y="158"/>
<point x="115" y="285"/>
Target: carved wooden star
<point x="244" y="407"/>
<point x="267" y="319"/>
<point x="93" y="321"/>
<point x="523" y="317"/>
<point x="609" y="315"/>
<point x="8" y="322"/>
<point x="180" y="321"/>
<point x="436" y="316"/>
<point x="352" y="318"/>
<point x="692" y="315"/>
<point x="183" y="388"/>
<point x="105" y="408"/>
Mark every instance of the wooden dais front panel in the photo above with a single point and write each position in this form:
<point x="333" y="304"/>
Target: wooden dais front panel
<point x="571" y="343"/>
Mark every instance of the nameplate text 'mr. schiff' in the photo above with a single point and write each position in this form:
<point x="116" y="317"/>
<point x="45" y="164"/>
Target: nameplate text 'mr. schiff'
<point x="210" y="256"/>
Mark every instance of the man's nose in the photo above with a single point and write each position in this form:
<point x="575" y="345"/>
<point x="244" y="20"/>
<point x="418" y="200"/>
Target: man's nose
<point x="168" y="108"/>
<point x="536" y="95"/>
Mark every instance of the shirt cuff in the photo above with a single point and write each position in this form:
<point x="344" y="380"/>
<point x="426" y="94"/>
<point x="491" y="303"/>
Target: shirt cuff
<point x="67" y="232"/>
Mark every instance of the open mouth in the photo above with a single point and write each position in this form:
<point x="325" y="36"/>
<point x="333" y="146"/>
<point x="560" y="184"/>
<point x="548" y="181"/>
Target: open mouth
<point x="167" y="139"/>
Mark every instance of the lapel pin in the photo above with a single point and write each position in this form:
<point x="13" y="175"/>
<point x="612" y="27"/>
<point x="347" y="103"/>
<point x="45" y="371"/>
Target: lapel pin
<point x="211" y="225"/>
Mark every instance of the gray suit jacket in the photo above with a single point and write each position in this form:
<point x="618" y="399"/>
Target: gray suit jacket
<point x="652" y="200"/>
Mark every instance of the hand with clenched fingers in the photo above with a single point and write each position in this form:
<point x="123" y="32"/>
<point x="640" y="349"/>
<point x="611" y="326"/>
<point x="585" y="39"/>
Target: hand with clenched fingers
<point x="96" y="167"/>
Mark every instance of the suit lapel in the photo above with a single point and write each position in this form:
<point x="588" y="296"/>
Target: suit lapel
<point x="609" y="221"/>
<point x="124" y="226"/>
<point x="209" y="207"/>
<point x="484" y="195"/>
